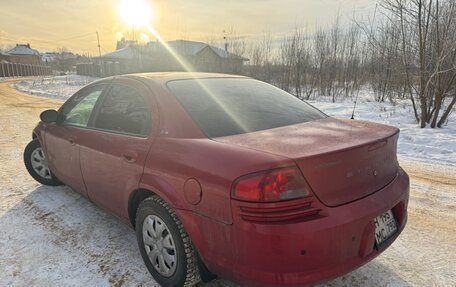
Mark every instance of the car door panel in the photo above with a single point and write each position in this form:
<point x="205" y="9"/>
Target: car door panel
<point x="62" y="138"/>
<point x="112" y="161"/>
<point x="109" y="170"/>
<point x="63" y="155"/>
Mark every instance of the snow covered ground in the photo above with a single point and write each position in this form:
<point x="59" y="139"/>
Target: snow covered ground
<point x="435" y="145"/>
<point x="54" y="87"/>
<point x="427" y="145"/>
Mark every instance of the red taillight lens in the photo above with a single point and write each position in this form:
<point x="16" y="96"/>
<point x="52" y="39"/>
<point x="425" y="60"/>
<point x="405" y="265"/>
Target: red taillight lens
<point x="270" y="186"/>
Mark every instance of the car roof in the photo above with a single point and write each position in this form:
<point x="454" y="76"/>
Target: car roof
<point x="164" y="77"/>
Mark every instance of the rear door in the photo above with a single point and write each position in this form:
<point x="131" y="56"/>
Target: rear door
<point x="62" y="139"/>
<point x="114" y="149"/>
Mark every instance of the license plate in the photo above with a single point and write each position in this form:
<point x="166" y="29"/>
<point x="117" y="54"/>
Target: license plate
<point x="385" y="227"/>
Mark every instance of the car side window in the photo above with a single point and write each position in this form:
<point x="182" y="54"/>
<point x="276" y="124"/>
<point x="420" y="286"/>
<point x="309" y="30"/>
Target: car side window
<point x="124" y="110"/>
<point x="78" y="110"/>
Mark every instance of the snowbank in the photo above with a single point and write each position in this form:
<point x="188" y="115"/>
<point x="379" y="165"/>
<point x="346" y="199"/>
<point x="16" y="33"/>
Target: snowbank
<point x="58" y="87"/>
<point x="435" y="145"/>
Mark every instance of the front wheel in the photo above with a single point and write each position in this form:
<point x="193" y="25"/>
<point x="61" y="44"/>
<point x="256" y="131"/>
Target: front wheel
<point x="37" y="165"/>
<point x="165" y="247"/>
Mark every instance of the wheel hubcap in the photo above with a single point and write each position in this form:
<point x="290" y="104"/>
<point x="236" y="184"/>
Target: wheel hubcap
<point x="159" y="245"/>
<point x="39" y="163"/>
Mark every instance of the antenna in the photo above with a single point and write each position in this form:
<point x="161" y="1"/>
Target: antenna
<point x="354" y="106"/>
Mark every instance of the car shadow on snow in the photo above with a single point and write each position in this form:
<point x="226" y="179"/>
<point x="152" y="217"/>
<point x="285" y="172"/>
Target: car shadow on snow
<point x="56" y="237"/>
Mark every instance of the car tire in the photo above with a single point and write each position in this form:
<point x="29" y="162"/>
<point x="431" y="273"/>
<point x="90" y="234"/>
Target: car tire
<point x="164" y="244"/>
<point x="36" y="164"/>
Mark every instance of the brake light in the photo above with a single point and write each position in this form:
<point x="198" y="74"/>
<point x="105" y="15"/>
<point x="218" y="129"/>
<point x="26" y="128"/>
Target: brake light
<point x="271" y="186"/>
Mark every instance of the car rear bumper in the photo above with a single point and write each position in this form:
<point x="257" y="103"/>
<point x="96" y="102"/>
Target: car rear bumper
<point x="319" y="245"/>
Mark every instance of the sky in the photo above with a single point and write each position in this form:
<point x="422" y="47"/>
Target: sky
<point x="51" y="25"/>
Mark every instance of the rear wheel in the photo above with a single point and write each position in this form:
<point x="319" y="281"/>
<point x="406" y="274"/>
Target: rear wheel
<point x="37" y="165"/>
<point x="165" y="247"/>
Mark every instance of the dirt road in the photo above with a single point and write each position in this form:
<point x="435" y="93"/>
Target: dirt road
<point x="54" y="237"/>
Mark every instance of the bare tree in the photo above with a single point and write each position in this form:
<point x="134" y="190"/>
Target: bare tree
<point x="408" y="52"/>
<point x="428" y="39"/>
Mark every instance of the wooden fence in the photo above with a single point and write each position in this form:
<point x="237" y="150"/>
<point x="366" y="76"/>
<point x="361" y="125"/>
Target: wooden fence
<point x="23" y="70"/>
<point x="106" y="69"/>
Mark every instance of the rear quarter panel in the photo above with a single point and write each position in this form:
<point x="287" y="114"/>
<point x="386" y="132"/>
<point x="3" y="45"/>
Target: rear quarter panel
<point x="171" y="162"/>
<point x="215" y="166"/>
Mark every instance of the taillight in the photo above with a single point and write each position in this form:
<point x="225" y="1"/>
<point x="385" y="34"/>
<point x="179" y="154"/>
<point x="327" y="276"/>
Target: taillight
<point x="271" y="186"/>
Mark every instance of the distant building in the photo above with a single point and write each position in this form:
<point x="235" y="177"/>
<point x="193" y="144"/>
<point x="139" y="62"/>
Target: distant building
<point x="122" y="43"/>
<point x="156" y="57"/>
<point x="49" y="57"/>
<point x="63" y="61"/>
<point x="24" y="54"/>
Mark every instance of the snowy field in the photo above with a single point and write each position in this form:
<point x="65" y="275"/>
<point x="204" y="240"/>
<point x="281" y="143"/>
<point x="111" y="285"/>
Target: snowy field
<point x="427" y="145"/>
<point x="58" y="87"/>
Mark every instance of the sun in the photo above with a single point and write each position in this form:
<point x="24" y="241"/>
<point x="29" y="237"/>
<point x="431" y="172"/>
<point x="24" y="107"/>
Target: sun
<point x="136" y="13"/>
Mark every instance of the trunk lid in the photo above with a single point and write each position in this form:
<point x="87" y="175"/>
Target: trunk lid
<point x="342" y="160"/>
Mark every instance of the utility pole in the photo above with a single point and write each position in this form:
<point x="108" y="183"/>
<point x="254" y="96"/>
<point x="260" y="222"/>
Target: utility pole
<point x="99" y="47"/>
<point x="225" y="40"/>
<point x="99" y="54"/>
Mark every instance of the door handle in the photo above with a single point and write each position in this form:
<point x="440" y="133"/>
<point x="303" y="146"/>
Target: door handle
<point x="130" y="156"/>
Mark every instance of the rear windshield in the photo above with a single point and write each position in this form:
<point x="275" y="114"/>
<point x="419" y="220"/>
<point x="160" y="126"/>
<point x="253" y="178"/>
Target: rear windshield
<point x="230" y="106"/>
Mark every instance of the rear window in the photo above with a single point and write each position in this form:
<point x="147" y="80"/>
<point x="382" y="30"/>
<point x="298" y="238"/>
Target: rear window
<point x="230" y="106"/>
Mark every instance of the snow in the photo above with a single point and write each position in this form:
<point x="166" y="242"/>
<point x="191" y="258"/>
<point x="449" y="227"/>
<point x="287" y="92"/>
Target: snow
<point x="124" y="53"/>
<point x="21" y="49"/>
<point x="49" y="57"/>
<point x="55" y="229"/>
<point x="55" y="87"/>
<point x="426" y="145"/>
<point x="435" y="145"/>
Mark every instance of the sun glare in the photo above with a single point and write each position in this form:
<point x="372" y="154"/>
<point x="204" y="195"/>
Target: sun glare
<point x="136" y="13"/>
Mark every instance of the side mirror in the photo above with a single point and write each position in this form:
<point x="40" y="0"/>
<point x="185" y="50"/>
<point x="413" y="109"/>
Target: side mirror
<point x="49" y="116"/>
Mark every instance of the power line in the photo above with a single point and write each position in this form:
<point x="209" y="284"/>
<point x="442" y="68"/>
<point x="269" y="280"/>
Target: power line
<point x="56" y="42"/>
<point x="75" y="37"/>
<point x="50" y="41"/>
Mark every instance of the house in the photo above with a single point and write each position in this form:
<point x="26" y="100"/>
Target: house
<point x="49" y="57"/>
<point x="177" y="55"/>
<point x="63" y="61"/>
<point x="24" y="54"/>
<point x="122" y="43"/>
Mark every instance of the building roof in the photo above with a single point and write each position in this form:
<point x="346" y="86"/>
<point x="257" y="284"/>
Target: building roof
<point x="49" y="57"/>
<point x="67" y="56"/>
<point x="182" y="47"/>
<point x="53" y="56"/>
<point x="128" y="52"/>
<point x="192" y="48"/>
<point x="23" y="49"/>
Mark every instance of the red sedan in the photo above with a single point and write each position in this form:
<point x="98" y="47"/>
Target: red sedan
<point x="227" y="175"/>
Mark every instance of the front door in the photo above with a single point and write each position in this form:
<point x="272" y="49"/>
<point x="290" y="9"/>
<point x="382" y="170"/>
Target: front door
<point x="62" y="138"/>
<point x="114" y="149"/>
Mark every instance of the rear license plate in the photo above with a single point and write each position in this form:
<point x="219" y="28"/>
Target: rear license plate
<point x="385" y="227"/>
